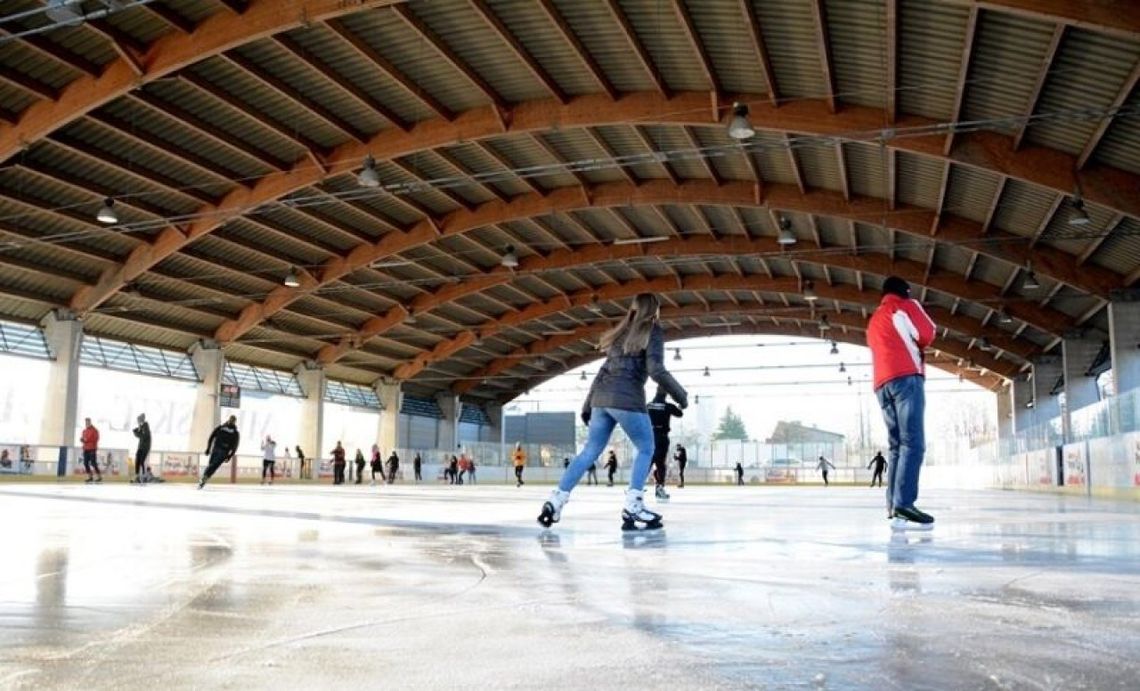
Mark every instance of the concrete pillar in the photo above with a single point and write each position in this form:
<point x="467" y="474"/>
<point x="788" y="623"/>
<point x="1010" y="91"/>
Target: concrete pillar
<point x="64" y="335"/>
<point x="1004" y="413"/>
<point x="210" y="363"/>
<point x="1077" y="355"/>
<point x="311" y="377"/>
<point x="388" y="391"/>
<point x="1022" y="395"/>
<point x="448" y="437"/>
<point x="1124" y="341"/>
<point x="1046" y="371"/>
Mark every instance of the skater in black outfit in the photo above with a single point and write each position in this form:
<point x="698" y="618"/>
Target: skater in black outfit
<point x="660" y="410"/>
<point x="417" y="466"/>
<point x="338" y="456"/>
<point x="635" y="351"/>
<point x="739" y="474"/>
<point x="611" y="468"/>
<point x="393" y="466"/>
<point x="453" y="470"/>
<point x="376" y="466"/>
<point x="360" y="463"/>
<point x="142" y="433"/>
<point x="221" y="448"/>
<point x="880" y="465"/>
<point x="301" y="474"/>
<point x="681" y="456"/>
<point x="822" y="466"/>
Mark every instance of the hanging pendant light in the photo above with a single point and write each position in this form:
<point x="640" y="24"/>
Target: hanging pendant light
<point x="1030" y="282"/>
<point x="292" y="280"/>
<point x="739" y="127"/>
<point x="810" y="294"/>
<point x="707" y="374"/>
<point x="785" y="236"/>
<point x="824" y="324"/>
<point x="676" y="354"/>
<point x="107" y="214"/>
<point x="583" y="377"/>
<point x="842" y="368"/>
<point x="834" y="348"/>
<point x="369" y="176"/>
<point x="510" y="260"/>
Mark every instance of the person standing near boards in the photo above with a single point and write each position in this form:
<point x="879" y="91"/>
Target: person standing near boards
<point x="681" y="456"/>
<point x="393" y="466"/>
<point x="360" y="466"/>
<point x="268" y="459"/>
<point x="739" y="474"/>
<point x="418" y="466"/>
<point x="301" y="469"/>
<point x="89" y="438"/>
<point x="518" y="456"/>
<point x="376" y="465"/>
<point x="338" y="456"/>
<point x="879" y="463"/>
<point x="634" y="351"/>
<point x="142" y="433"/>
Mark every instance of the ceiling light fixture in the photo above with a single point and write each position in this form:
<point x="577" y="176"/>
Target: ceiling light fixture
<point x="842" y="368"/>
<point x="824" y="324"/>
<point x="292" y="280"/>
<point x="834" y="348"/>
<point x="1003" y="316"/>
<point x="809" y="292"/>
<point x="368" y="176"/>
<point x="739" y="127"/>
<point x="510" y="260"/>
<point x="676" y="354"/>
<point x="107" y="213"/>
<point x="785" y="236"/>
<point x="583" y="377"/>
<point x="707" y="373"/>
<point x="1030" y="282"/>
<point x="640" y="241"/>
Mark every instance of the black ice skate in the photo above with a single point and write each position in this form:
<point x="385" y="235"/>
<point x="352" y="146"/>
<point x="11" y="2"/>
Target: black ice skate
<point x="552" y="508"/>
<point x="635" y="516"/>
<point x="660" y="493"/>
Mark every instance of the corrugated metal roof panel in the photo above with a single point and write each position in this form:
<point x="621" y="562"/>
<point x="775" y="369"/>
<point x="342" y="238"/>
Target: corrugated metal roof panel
<point x="477" y="161"/>
<point x="792" y="38"/>
<point x="334" y="52"/>
<point x="856" y="32"/>
<point x="1087" y="74"/>
<point x="22" y="308"/>
<point x="15" y="100"/>
<point x="54" y="288"/>
<point x="660" y="31"/>
<point x="1120" y="146"/>
<point x="833" y="232"/>
<point x="723" y="29"/>
<point x="123" y="329"/>
<point x="601" y="35"/>
<point x="140" y="23"/>
<point x="970" y="193"/>
<point x="625" y="142"/>
<point x="294" y="251"/>
<point x="414" y="191"/>
<point x="17" y="56"/>
<point x="524" y="153"/>
<point x="992" y="271"/>
<point x="683" y="157"/>
<point x="82" y="41"/>
<point x="1074" y="239"/>
<point x="1022" y="208"/>
<point x="931" y="38"/>
<point x="920" y="180"/>
<point x="819" y="163"/>
<point x="727" y="159"/>
<point x="430" y="167"/>
<point x="531" y="27"/>
<point x="1121" y="250"/>
<point x="575" y="145"/>
<point x="770" y="150"/>
<point x="238" y="352"/>
<point x="480" y="48"/>
<point x="1006" y="59"/>
<point x="866" y="169"/>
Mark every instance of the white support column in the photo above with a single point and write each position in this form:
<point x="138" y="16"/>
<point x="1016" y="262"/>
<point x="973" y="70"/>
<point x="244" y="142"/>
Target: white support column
<point x="1046" y="371"/>
<point x="210" y="363"/>
<point x="1077" y="355"/>
<point x="1124" y="341"/>
<point x="311" y="377"/>
<point x="64" y="334"/>
<point x="388" y="391"/>
<point x="1022" y="395"/>
<point x="449" y="425"/>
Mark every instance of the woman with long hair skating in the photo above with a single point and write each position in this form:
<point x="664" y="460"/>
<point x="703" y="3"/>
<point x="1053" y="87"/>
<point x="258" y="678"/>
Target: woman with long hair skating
<point x="635" y="350"/>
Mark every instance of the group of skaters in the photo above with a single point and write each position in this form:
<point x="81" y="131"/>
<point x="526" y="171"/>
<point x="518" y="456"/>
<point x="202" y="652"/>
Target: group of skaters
<point x="680" y="458"/>
<point x="460" y="466"/>
<point x="898" y="333"/>
<point x="388" y="470"/>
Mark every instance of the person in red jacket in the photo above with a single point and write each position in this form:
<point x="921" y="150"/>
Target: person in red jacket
<point x="897" y="334"/>
<point x="90" y="440"/>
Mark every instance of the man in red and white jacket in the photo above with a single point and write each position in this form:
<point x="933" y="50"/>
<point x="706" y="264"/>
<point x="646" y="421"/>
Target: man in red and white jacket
<point x="89" y="437"/>
<point x="897" y="334"/>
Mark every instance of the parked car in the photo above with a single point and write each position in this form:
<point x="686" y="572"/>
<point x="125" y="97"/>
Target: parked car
<point x="782" y="470"/>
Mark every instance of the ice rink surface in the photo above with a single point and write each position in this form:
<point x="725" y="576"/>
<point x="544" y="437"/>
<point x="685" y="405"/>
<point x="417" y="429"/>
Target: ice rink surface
<point x="316" y="587"/>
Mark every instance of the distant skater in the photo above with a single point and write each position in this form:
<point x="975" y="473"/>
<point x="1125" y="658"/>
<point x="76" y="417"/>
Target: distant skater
<point x="89" y="438"/>
<point x="360" y="463"/>
<point x="592" y="474"/>
<point x="301" y="469"/>
<point x="565" y="463"/>
<point x="518" y="456"/>
<point x="268" y="459"/>
<point x="376" y="465"/>
<point x="897" y="334"/>
<point x="221" y="447"/>
<point x="879" y="464"/>
<point x="635" y="350"/>
<point x="681" y="456"/>
<point x="471" y="470"/>
<point x="822" y="467"/>
<point x="142" y="433"/>
<point x="453" y="470"/>
<point x="393" y="466"/>
<point x="611" y="468"/>
<point x="418" y="466"/>
<point x="660" y="413"/>
<point x="338" y="456"/>
<point x="739" y="474"/>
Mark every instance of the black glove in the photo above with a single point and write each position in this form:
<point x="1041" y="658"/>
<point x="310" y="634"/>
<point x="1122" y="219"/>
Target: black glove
<point x="586" y="417"/>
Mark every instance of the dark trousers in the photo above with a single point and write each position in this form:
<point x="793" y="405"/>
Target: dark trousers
<point x="877" y="476"/>
<point x="359" y="472"/>
<point x="825" y="478"/>
<point x="739" y="479"/>
<point x="660" y="449"/>
<point x="518" y="474"/>
<point x="217" y="458"/>
<point x="140" y="463"/>
<point x="419" y="475"/>
<point x="268" y="467"/>
<point x="610" y="473"/>
<point x="91" y="461"/>
<point x="681" y="473"/>
<point x="391" y="474"/>
<point x="592" y="476"/>
<point x="338" y="473"/>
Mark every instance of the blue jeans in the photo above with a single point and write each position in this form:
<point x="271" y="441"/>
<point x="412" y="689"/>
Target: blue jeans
<point x="903" y="401"/>
<point x="602" y="421"/>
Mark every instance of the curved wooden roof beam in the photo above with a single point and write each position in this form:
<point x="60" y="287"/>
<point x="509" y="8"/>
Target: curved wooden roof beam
<point x="549" y="344"/>
<point x="1046" y="261"/>
<point x="1053" y="169"/>
<point x="790" y="286"/>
